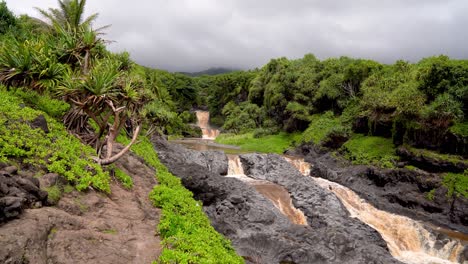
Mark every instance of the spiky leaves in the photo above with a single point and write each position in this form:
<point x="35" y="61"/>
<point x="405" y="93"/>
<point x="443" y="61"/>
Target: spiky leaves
<point x="70" y="14"/>
<point x="112" y="98"/>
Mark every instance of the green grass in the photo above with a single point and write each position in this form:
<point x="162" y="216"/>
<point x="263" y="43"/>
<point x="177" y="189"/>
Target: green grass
<point x="56" y="151"/>
<point x="187" y="234"/>
<point x="268" y="144"/>
<point x="322" y="126"/>
<point x="460" y="129"/>
<point x="123" y="178"/>
<point x="68" y="188"/>
<point x="54" y="193"/>
<point x="370" y="150"/>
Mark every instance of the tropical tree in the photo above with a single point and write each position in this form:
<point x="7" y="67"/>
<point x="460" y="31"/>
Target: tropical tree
<point x="69" y="15"/>
<point x="113" y="99"/>
<point x="7" y="20"/>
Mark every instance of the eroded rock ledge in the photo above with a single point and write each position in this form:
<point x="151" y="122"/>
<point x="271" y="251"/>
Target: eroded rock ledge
<point x="260" y="232"/>
<point x="401" y="191"/>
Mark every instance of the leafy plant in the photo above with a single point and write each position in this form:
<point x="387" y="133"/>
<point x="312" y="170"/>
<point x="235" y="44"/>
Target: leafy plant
<point x="369" y="150"/>
<point x="457" y="184"/>
<point x="123" y="178"/>
<point x="56" y="151"/>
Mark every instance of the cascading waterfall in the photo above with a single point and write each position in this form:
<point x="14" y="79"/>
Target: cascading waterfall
<point x="203" y="121"/>
<point x="300" y="164"/>
<point x="408" y="240"/>
<point x="275" y="193"/>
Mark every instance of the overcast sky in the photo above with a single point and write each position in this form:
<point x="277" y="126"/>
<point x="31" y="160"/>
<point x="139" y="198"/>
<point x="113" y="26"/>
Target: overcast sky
<point x="192" y="35"/>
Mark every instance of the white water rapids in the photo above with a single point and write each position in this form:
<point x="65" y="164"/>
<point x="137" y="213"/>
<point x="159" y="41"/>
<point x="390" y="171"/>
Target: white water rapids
<point x="275" y="193"/>
<point x="408" y="240"/>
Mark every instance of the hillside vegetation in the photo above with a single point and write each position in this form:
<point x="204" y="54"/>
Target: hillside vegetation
<point x="65" y="101"/>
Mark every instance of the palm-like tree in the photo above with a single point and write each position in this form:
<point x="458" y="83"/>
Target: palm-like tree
<point x="111" y="98"/>
<point x="70" y="14"/>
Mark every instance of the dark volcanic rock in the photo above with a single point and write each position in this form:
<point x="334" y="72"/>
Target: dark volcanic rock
<point x="40" y="122"/>
<point x="400" y="191"/>
<point x="18" y="193"/>
<point x="431" y="164"/>
<point x="259" y="231"/>
<point x="214" y="161"/>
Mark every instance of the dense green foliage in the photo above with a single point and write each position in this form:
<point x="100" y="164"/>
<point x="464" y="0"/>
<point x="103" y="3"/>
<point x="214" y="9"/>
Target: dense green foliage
<point x="457" y="184"/>
<point x="188" y="235"/>
<point x="322" y="126"/>
<point x="56" y="151"/>
<point x="370" y="150"/>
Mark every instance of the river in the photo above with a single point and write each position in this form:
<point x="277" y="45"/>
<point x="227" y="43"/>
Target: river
<point x="409" y="241"/>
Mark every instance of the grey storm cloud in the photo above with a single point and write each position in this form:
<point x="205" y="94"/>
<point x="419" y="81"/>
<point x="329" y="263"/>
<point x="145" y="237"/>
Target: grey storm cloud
<point x="192" y="35"/>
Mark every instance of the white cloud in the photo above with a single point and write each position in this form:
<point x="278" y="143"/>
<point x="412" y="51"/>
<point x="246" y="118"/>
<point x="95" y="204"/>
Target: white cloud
<point x="190" y="35"/>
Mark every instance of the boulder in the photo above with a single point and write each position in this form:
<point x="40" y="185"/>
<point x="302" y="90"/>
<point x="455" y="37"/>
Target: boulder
<point x="18" y="193"/>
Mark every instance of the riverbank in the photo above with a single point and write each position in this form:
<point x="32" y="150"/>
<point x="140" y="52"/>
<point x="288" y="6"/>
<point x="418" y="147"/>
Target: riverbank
<point x="230" y="206"/>
<point x="267" y="144"/>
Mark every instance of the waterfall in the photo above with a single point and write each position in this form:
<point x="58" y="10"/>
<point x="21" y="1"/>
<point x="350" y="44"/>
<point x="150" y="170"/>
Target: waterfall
<point x="275" y="193"/>
<point x="408" y="240"/>
<point x="300" y="164"/>
<point x="203" y="121"/>
<point x="235" y="165"/>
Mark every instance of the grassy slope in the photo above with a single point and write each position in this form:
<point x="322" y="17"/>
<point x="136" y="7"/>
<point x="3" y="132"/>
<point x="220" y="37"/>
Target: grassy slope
<point x="56" y="151"/>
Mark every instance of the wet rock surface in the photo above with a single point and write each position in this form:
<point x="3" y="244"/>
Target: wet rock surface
<point x="258" y="230"/>
<point x="400" y="191"/>
<point x="89" y="227"/>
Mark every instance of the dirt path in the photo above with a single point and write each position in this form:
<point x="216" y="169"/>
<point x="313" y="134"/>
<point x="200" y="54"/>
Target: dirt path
<point x="89" y="227"/>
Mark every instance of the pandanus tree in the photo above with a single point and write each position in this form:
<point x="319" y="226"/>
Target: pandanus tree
<point x="112" y="99"/>
<point x="99" y="86"/>
<point x="70" y="14"/>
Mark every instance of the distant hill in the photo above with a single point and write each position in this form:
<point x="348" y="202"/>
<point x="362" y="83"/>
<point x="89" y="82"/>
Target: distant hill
<point x="210" y="71"/>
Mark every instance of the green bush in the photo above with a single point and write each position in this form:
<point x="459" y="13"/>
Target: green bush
<point x="460" y="129"/>
<point x="186" y="230"/>
<point x="54" y="193"/>
<point x="369" y="150"/>
<point x="457" y="184"/>
<point x="321" y="126"/>
<point x="56" y="151"/>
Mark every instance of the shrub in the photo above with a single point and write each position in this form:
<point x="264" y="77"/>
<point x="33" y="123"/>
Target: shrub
<point x="460" y="129"/>
<point x="369" y="150"/>
<point x="457" y="184"/>
<point x="322" y="126"/>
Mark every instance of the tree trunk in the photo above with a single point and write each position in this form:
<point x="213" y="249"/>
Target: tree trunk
<point x="111" y="159"/>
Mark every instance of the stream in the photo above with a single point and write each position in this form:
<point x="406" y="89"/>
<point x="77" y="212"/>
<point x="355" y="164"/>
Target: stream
<point x="409" y="241"/>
